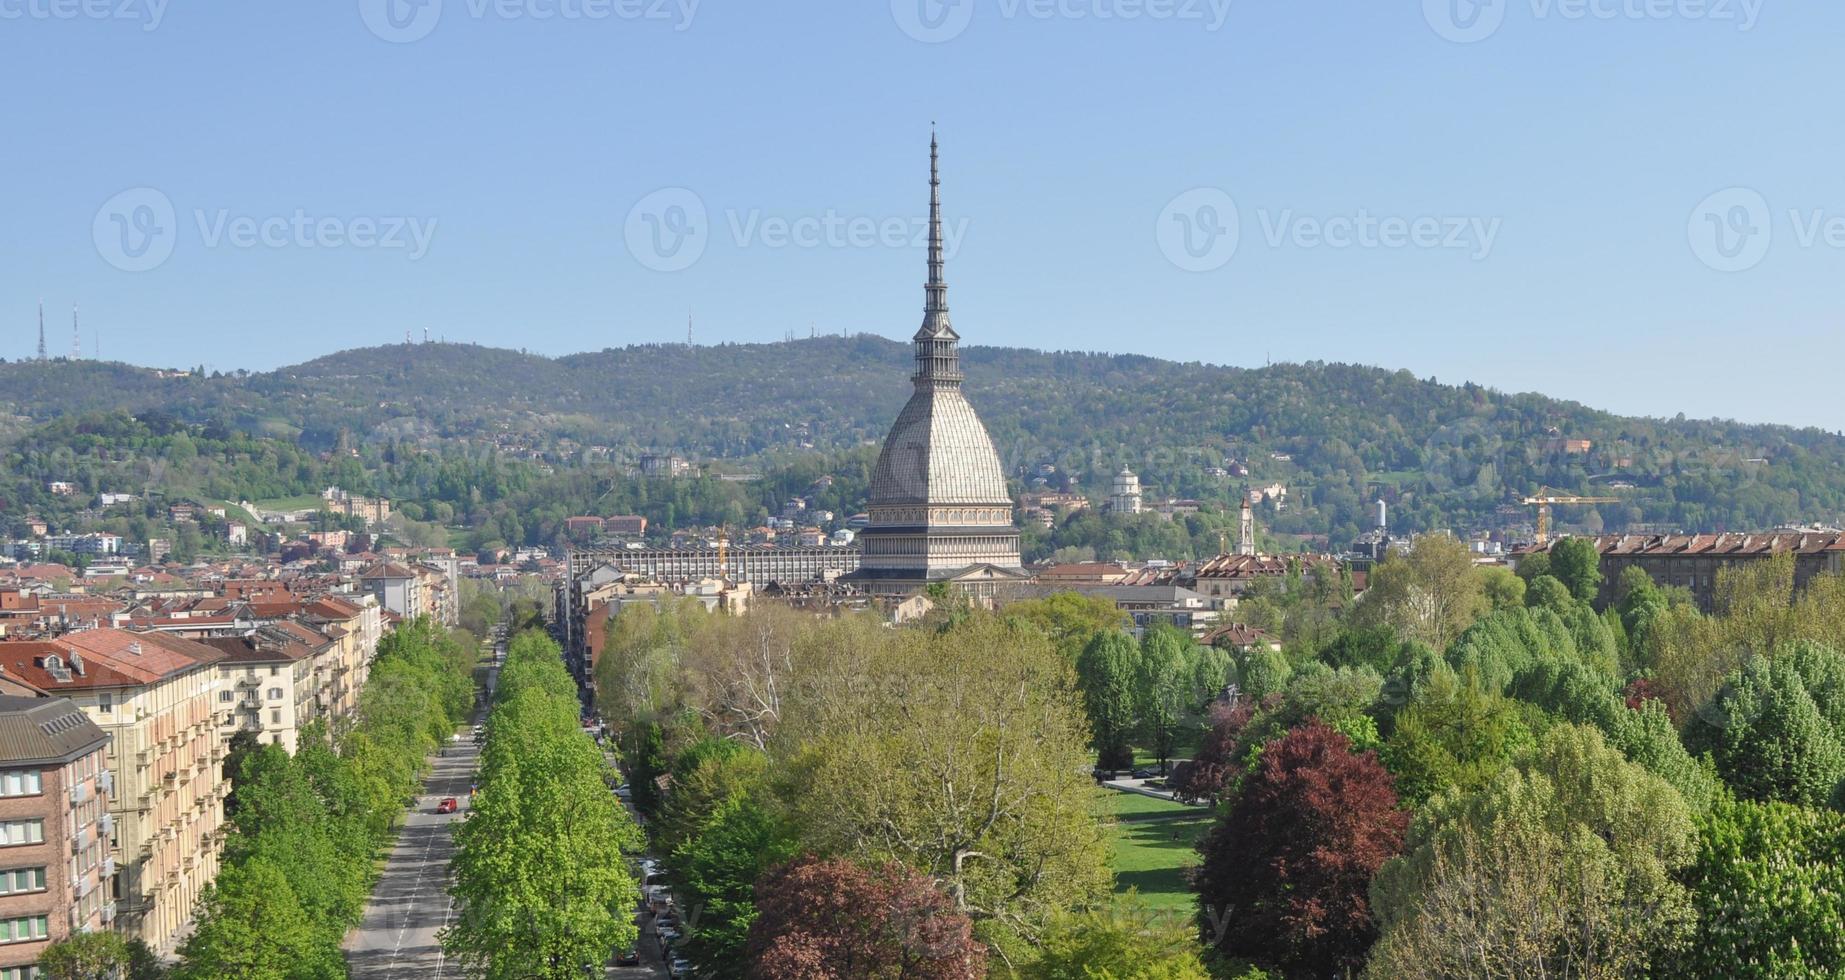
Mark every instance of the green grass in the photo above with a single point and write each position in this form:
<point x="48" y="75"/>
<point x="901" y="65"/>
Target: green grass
<point x="1153" y="846"/>
<point x="304" y="501"/>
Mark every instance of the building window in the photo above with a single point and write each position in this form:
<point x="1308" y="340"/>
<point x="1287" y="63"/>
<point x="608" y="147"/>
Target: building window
<point x="105" y="703"/>
<point x="275" y="671"/>
<point x="28" y="929"/>
<point x="275" y="694"/>
<point x="21" y="782"/>
<point x="275" y="717"/>
<point x="20" y="880"/>
<point x="16" y="832"/>
<point x="225" y="696"/>
<point x="20" y="973"/>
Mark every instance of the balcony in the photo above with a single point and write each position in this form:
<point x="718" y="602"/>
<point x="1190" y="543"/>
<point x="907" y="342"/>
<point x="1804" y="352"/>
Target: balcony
<point x="105" y="782"/>
<point x="105" y="825"/>
<point x="79" y="793"/>
<point x="108" y="867"/>
<point x="108" y="913"/>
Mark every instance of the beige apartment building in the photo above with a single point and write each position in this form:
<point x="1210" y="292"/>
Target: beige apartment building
<point x="154" y="695"/>
<point x="355" y="624"/>
<point x="266" y="686"/>
<point x="55" y="868"/>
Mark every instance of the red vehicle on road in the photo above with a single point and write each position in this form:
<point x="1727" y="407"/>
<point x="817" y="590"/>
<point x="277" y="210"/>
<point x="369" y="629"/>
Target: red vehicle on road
<point x="448" y="805"/>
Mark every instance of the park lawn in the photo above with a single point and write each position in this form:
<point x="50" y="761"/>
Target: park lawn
<point x="1153" y="842"/>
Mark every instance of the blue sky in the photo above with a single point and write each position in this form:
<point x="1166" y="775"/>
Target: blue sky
<point x="1638" y="204"/>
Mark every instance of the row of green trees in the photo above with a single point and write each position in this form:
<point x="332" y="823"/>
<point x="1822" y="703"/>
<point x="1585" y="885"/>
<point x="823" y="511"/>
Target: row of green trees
<point x="297" y="862"/>
<point x="1155" y="691"/>
<point x="541" y="873"/>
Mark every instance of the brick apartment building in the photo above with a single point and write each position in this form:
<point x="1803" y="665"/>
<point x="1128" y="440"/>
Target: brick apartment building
<point x="55" y="829"/>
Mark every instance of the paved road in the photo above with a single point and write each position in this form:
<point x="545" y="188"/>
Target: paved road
<point x="398" y="938"/>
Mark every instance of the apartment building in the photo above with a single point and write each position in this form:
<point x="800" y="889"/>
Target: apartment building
<point x="154" y="695"/>
<point x="354" y="624"/>
<point x="55" y="829"/>
<point x="266" y="686"/>
<point x="397" y="589"/>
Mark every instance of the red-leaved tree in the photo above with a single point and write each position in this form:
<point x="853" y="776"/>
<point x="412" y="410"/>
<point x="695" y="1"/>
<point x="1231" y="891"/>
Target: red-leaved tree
<point x="829" y="919"/>
<point x="1204" y="775"/>
<point x="1287" y="868"/>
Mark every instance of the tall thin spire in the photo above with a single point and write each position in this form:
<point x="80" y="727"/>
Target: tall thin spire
<point x="936" y="292"/>
<point x="938" y="363"/>
<point x="76" y="336"/>
<point x="41" y="329"/>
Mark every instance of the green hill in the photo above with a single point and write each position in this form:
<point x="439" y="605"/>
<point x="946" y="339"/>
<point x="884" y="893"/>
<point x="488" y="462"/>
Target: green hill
<point x="1443" y="455"/>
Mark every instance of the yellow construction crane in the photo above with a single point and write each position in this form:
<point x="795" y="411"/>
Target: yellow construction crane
<point x="1546" y="497"/>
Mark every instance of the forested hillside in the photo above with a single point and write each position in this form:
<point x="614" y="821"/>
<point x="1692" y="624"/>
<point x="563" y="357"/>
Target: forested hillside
<point x="1338" y="436"/>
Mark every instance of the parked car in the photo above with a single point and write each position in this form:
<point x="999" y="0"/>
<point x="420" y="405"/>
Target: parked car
<point x="628" y="957"/>
<point x="681" y="967"/>
<point x="448" y="805"/>
<point x="1144" y="773"/>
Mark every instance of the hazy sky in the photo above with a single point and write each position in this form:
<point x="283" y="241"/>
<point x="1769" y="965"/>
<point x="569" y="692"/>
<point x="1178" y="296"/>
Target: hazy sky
<point x="1639" y="204"/>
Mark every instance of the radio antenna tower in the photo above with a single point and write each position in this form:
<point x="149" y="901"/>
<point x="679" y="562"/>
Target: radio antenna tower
<point x="688" y="328"/>
<point x="41" y="329"/>
<point x="76" y="336"/>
